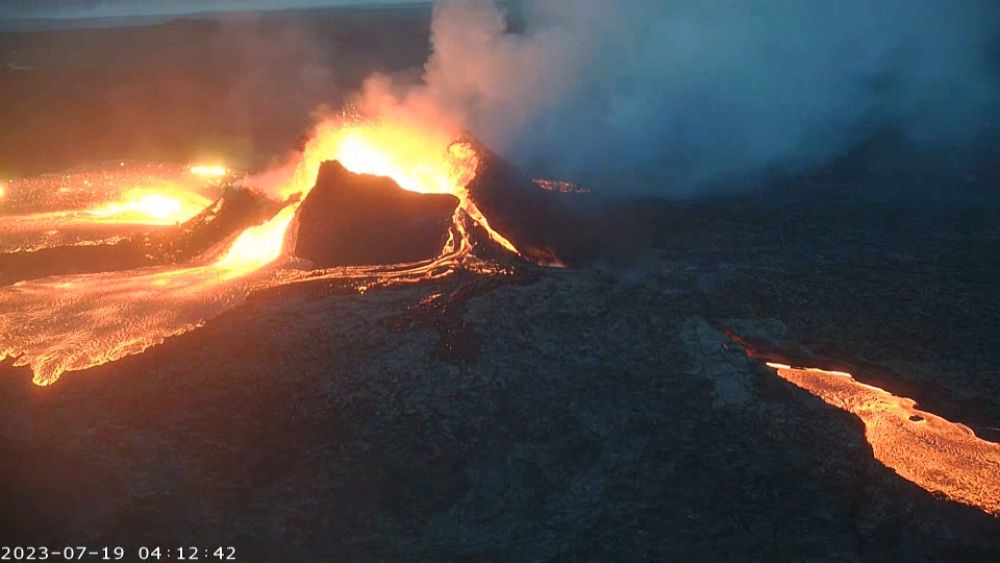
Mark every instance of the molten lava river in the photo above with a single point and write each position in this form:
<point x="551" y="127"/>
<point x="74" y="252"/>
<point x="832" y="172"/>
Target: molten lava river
<point x="74" y="322"/>
<point x="938" y="455"/>
<point x="96" y="204"/>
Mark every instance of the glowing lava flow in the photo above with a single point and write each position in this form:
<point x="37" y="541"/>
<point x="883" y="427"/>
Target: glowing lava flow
<point x="208" y="171"/>
<point x="93" y="205"/>
<point x="938" y="455"/>
<point x="144" y="206"/>
<point x="74" y="322"/>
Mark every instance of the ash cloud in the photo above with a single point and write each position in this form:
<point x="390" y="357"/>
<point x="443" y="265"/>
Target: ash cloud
<point x="677" y="97"/>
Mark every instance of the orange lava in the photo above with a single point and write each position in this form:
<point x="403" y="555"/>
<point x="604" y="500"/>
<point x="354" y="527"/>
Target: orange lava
<point x="75" y="322"/>
<point x="93" y="205"/>
<point x="166" y="205"/>
<point x="256" y="247"/>
<point x="208" y="170"/>
<point x="417" y="157"/>
<point x="940" y="456"/>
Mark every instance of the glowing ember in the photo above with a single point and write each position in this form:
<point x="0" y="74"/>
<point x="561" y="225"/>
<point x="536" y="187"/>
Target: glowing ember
<point x="938" y="455"/>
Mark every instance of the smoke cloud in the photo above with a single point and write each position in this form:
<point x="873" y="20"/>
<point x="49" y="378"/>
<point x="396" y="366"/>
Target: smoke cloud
<point x="677" y="96"/>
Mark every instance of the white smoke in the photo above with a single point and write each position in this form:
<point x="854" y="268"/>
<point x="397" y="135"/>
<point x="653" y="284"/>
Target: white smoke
<point x="672" y="96"/>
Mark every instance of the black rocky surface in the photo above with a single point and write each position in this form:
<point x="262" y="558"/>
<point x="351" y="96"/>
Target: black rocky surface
<point x="353" y="219"/>
<point x="546" y="226"/>
<point x="592" y="414"/>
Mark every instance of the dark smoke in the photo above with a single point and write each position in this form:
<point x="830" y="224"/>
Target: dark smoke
<point x="678" y="96"/>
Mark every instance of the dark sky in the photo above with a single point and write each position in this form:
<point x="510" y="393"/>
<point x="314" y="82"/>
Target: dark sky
<point x="115" y="8"/>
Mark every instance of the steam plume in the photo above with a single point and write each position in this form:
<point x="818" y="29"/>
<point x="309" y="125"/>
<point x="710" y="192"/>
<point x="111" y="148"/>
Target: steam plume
<point x="673" y="96"/>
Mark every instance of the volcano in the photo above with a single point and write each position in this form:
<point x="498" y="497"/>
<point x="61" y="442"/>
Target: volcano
<point x="258" y="303"/>
<point x="130" y="312"/>
<point x="369" y="202"/>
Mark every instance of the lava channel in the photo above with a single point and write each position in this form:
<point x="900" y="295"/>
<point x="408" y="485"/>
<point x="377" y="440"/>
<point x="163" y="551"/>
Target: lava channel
<point x="940" y="456"/>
